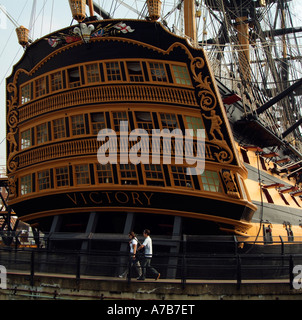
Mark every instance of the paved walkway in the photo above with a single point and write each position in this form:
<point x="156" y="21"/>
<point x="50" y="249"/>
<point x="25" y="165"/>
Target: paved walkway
<point x="104" y="278"/>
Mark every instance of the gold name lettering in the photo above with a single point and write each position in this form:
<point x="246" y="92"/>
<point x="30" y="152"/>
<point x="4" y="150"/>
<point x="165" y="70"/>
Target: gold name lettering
<point x="93" y="200"/>
<point x="135" y="197"/>
<point x="148" y="198"/>
<point x="118" y="199"/>
<point x="105" y="198"/>
<point x="74" y="199"/>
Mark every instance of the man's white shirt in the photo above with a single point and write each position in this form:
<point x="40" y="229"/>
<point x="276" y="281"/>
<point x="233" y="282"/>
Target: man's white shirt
<point x="148" y="247"/>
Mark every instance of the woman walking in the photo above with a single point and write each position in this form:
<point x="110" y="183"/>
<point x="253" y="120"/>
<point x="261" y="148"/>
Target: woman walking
<point x="133" y="261"/>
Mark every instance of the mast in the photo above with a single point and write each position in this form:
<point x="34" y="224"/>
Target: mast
<point x="91" y="9"/>
<point x="190" y="20"/>
<point x="242" y="28"/>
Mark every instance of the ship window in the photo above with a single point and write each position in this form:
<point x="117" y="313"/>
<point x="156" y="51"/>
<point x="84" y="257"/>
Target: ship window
<point x="42" y="133"/>
<point x="244" y="155"/>
<point x="113" y="71"/>
<point x="74" y="79"/>
<point x="26" y="184"/>
<point x="169" y="121"/>
<point x="98" y="122"/>
<point x="82" y="174"/>
<point x="154" y="175"/>
<point x="128" y="174"/>
<point x="56" y="82"/>
<point x="44" y="180"/>
<point x="181" y="75"/>
<point x="25" y="139"/>
<point x="180" y="177"/>
<point x="158" y="72"/>
<point x="262" y="163"/>
<point x="40" y="87"/>
<point x="195" y="123"/>
<point x="144" y="121"/>
<point x="93" y="73"/>
<point x="104" y="173"/>
<point x="26" y="93"/>
<point x="117" y="118"/>
<point x="135" y="71"/>
<point x="243" y="188"/>
<point x="210" y="181"/>
<point x="78" y="125"/>
<point x="62" y="177"/>
<point x="59" y="128"/>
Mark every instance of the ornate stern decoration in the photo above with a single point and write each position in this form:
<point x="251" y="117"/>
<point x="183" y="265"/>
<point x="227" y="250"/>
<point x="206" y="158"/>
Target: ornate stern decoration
<point x="230" y="184"/>
<point x="208" y="103"/>
<point x="12" y="121"/>
<point x="12" y="135"/>
<point x="86" y="32"/>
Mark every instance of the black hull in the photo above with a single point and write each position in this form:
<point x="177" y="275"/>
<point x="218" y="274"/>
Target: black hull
<point x="116" y="200"/>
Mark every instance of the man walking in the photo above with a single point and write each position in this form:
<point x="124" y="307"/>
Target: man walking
<point x="146" y="263"/>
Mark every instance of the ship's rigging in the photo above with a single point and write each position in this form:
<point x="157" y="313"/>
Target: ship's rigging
<point x="267" y="64"/>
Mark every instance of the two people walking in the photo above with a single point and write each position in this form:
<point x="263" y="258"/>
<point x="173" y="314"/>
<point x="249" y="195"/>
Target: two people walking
<point x="145" y="263"/>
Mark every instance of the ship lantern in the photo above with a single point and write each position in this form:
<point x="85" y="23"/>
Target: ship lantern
<point x="154" y="8"/>
<point x="22" y="34"/>
<point x="78" y="9"/>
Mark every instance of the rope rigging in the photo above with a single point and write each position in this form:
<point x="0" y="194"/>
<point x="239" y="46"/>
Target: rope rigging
<point x="13" y="21"/>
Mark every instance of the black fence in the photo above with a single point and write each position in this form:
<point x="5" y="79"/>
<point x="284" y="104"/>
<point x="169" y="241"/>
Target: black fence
<point x="196" y="258"/>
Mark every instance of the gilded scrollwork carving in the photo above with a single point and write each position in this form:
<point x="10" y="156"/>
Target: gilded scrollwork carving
<point x="230" y="183"/>
<point x="208" y="100"/>
<point x="216" y="142"/>
<point x="12" y="123"/>
<point x="12" y="187"/>
<point x="12" y="88"/>
<point x="12" y="119"/>
<point x="218" y="151"/>
<point x="12" y="112"/>
<point x="12" y="164"/>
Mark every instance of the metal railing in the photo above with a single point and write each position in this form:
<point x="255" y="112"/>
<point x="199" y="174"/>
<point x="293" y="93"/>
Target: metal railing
<point x="197" y="258"/>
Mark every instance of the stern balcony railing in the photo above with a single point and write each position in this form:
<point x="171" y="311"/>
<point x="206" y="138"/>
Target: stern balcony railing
<point x="107" y="94"/>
